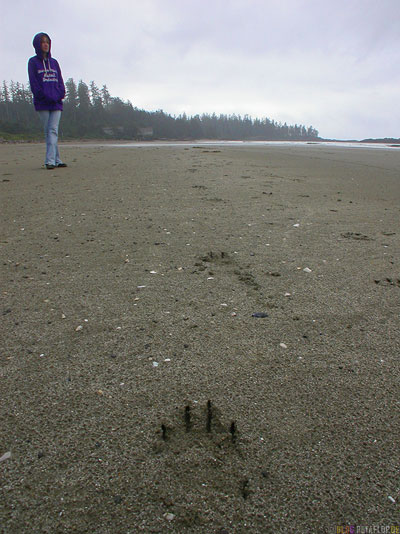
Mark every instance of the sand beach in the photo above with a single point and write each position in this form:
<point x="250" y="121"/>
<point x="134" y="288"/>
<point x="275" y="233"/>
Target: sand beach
<point x="199" y="339"/>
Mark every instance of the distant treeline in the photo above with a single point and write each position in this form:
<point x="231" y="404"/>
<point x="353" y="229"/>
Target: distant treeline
<point x="381" y="140"/>
<point x="91" y="112"/>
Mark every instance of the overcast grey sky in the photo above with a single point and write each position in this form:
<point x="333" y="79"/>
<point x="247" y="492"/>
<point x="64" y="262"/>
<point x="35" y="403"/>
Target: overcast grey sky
<point x="332" y="65"/>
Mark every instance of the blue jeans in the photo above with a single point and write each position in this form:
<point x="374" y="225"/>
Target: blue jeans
<point x="50" y="120"/>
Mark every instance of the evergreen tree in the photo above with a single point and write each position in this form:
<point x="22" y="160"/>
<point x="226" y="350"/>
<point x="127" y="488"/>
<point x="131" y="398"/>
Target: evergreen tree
<point x="105" y="95"/>
<point x="71" y="93"/>
<point x="5" y="103"/>
<point x="83" y="96"/>
<point x="95" y="96"/>
<point x="5" y="95"/>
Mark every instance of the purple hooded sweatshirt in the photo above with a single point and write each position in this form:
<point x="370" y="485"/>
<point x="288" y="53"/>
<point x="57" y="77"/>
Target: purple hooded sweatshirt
<point x="45" y="78"/>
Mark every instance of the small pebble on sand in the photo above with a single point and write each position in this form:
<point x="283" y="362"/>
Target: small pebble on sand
<point x="5" y="456"/>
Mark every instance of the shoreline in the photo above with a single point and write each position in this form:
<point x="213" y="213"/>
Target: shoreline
<point x="227" y="143"/>
<point x="219" y="142"/>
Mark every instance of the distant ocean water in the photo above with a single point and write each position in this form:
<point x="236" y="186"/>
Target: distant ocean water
<point x="305" y="144"/>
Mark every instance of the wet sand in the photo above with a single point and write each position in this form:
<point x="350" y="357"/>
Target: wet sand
<point x="129" y="284"/>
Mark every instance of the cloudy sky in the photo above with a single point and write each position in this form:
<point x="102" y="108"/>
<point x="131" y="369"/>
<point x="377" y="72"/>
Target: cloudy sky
<point x="332" y="65"/>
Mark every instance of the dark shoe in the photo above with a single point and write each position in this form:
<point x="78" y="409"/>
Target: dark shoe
<point x="62" y="165"/>
<point x="49" y="166"/>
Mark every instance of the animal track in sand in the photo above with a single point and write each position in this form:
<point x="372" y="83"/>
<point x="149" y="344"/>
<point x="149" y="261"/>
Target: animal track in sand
<point x="196" y="448"/>
<point x="223" y="258"/>
<point x="356" y="236"/>
<point x="388" y="282"/>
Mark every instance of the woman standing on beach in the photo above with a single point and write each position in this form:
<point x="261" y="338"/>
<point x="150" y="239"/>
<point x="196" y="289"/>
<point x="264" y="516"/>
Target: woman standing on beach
<point x="48" y="91"/>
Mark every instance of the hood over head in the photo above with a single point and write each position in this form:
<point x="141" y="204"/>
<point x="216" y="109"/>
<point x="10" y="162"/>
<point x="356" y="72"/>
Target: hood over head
<point x="37" y="42"/>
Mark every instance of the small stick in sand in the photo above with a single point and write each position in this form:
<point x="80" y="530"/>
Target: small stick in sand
<point x="188" y="422"/>
<point x="232" y="430"/>
<point x="244" y="487"/>
<point x="209" y="416"/>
